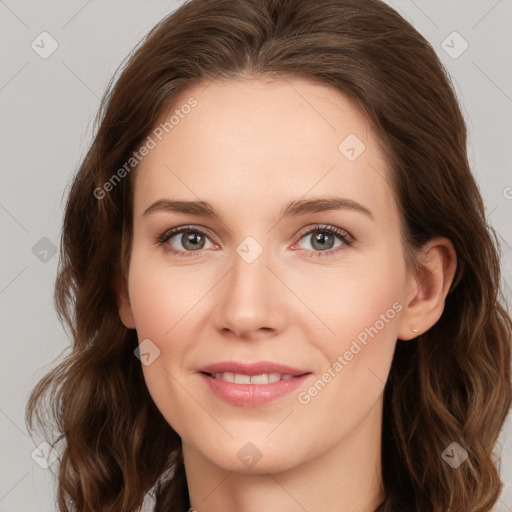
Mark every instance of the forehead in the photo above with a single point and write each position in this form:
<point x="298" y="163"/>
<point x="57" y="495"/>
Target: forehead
<point x="255" y="142"/>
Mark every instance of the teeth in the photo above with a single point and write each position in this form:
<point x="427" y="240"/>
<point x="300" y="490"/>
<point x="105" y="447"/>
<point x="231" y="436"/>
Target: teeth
<point x="228" y="376"/>
<point x="260" y="379"/>
<point x="264" y="378"/>
<point x="242" y="379"/>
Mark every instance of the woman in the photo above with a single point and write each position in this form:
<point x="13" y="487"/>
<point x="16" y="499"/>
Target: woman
<point x="281" y="285"/>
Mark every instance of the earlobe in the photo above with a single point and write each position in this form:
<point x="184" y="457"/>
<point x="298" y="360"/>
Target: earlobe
<point x="123" y="304"/>
<point x="424" y="301"/>
<point x="126" y="314"/>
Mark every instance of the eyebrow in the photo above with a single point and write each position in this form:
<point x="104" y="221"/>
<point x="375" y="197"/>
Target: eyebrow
<point x="293" y="208"/>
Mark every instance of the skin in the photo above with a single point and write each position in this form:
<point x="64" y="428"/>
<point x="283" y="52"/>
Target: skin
<point x="248" y="148"/>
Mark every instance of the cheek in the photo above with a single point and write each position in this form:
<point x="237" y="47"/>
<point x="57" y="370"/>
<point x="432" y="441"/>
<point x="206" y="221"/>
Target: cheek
<point x="361" y="309"/>
<point x="162" y="301"/>
<point x="163" y="298"/>
<point x="359" y="296"/>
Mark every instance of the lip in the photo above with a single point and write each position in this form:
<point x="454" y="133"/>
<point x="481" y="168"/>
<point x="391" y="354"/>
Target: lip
<point x="252" y="395"/>
<point x="252" y="368"/>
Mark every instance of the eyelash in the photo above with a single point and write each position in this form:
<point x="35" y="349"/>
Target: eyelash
<point x="347" y="239"/>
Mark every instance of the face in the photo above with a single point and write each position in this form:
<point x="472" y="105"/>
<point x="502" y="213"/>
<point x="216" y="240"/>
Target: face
<point x="302" y="267"/>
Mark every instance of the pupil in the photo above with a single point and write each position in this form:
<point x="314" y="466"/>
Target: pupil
<point x="321" y="238"/>
<point x="193" y="239"/>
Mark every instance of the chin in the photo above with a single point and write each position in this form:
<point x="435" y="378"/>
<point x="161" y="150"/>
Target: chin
<point x="253" y="459"/>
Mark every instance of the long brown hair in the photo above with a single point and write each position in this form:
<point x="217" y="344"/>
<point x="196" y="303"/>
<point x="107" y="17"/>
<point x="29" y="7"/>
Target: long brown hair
<point x="450" y="385"/>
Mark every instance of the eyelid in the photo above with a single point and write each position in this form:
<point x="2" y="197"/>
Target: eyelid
<point x="164" y="237"/>
<point x="347" y="240"/>
<point x="340" y="232"/>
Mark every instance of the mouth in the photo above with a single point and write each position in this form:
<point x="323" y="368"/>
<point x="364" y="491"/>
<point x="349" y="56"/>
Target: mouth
<point x="262" y="378"/>
<point x="252" y="384"/>
<point x="252" y="369"/>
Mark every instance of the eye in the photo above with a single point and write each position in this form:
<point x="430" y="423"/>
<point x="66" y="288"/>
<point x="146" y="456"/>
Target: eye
<point x="190" y="238"/>
<point x="323" y="239"/>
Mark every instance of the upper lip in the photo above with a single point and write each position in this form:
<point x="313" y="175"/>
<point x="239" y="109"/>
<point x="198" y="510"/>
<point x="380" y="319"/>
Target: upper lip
<point x="252" y="368"/>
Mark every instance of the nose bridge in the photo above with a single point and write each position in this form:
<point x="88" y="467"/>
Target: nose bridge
<point x="250" y="274"/>
<point x="251" y="300"/>
<point x="250" y="270"/>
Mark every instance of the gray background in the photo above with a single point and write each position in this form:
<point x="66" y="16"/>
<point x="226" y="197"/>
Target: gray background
<point x="48" y="106"/>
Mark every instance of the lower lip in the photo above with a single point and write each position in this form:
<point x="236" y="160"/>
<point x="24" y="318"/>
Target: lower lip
<point x="253" y="394"/>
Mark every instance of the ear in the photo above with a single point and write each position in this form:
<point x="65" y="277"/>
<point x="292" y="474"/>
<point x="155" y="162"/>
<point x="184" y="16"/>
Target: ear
<point x="427" y="287"/>
<point x="123" y="303"/>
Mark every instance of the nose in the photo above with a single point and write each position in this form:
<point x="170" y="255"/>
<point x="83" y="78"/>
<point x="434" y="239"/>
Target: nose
<point x="252" y="301"/>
